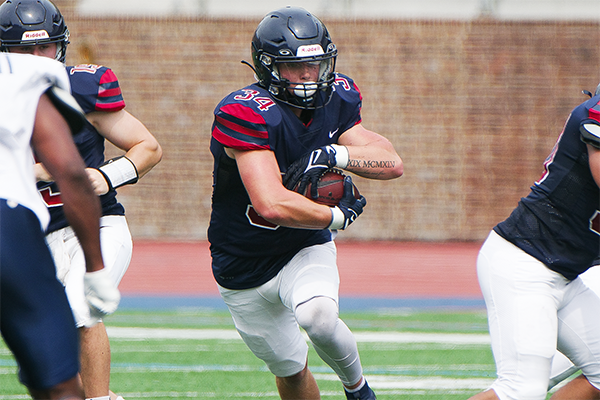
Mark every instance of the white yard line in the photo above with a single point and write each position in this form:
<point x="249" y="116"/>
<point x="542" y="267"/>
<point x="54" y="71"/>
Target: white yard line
<point x="364" y="337"/>
<point x="416" y="383"/>
<point x="385" y="384"/>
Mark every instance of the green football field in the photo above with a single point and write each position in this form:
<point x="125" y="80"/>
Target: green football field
<point x="196" y="354"/>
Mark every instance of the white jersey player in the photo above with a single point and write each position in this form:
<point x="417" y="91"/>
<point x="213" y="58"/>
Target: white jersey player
<point x="35" y="92"/>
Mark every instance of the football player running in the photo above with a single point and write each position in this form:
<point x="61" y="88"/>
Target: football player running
<point x="529" y="271"/>
<point x="273" y="254"/>
<point x="37" y="111"/>
<point x="37" y="27"/>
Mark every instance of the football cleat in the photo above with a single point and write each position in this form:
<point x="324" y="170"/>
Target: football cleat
<point x="365" y="393"/>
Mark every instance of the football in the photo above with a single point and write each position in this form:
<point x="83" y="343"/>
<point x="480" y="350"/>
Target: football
<point x="330" y="188"/>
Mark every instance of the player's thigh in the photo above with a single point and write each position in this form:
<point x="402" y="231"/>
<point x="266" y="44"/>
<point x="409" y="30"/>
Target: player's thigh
<point x="591" y="278"/>
<point x="117" y="246"/>
<point x="522" y="297"/>
<point x="578" y="328"/>
<point x="33" y="304"/>
<point x="311" y="273"/>
<point x="58" y="248"/>
<point x="268" y="328"/>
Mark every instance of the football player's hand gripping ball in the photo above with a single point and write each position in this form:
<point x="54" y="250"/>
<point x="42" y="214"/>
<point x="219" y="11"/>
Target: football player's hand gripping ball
<point x="348" y="209"/>
<point x="100" y="293"/>
<point x="310" y="167"/>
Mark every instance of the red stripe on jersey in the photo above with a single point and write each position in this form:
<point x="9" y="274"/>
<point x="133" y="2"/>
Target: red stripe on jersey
<point x="110" y="98"/>
<point x="102" y="92"/>
<point x="358" y="90"/>
<point x="108" y="77"/>
<point x="229" y="141"/>
<point x="110" y="107"/>
<point x="263" y="134"/>
<point x="595" y="112"/>
<point x="243" y="113"/>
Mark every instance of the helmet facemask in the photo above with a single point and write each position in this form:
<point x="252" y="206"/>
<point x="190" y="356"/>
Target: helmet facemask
<point x="303" y="93"/>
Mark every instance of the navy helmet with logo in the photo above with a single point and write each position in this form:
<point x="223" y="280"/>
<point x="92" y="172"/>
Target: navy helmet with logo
<point x="33" y="22"/>
<point x="293" y="35"/>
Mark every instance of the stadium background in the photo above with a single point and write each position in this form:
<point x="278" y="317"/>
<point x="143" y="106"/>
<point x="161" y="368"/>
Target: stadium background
<point x="473" y="107"/>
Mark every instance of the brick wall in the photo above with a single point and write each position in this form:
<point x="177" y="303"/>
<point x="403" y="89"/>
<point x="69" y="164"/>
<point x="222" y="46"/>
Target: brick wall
<point x="473" y="109"/>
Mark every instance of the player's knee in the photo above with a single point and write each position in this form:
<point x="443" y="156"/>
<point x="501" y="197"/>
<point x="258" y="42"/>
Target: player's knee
<point x="318" y="317"/>
<point x="532" y="390"/>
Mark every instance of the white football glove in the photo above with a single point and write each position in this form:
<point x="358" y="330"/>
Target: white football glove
<point x="100" y="293"/>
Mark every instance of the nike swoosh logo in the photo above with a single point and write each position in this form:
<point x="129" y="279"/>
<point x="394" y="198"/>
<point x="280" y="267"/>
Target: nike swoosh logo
<point x="332" y="134"/>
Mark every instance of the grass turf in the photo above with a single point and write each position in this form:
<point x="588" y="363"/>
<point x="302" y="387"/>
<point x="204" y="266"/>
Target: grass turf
<point x="226" y="369"/>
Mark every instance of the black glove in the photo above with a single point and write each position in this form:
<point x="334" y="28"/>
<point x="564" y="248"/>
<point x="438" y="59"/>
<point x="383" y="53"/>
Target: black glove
<point x="310" y="168"/>
<point x="349" y="208"/>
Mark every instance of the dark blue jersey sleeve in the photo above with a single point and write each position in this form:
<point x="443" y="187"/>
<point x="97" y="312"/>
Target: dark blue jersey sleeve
<point x="241" y="126"/>
<point x="96" y="88"/>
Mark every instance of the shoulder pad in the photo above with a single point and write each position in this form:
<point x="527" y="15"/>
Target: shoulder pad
<point x="590" y="133"/>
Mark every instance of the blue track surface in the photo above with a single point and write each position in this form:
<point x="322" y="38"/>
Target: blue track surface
<point x="346" y="303"/>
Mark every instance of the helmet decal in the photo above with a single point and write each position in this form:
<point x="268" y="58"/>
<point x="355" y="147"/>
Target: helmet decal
<point x="309" y="50"/>
<point x="35" y="35"/>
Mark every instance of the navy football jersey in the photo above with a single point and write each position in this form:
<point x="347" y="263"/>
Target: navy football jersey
<point x="95" y="88"/>
<point x="558" y="223"/>
<point x="247" y="250"/>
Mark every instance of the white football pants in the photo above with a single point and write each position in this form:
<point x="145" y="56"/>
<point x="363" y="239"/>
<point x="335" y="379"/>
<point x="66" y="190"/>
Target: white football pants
<point x="117" y="248"/>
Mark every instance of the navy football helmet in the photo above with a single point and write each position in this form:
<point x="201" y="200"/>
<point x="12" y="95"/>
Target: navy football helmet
<point x="32" y="22"/>
<point x="293" y="35"/>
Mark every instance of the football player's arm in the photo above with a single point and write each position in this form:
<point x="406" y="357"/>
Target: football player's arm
<point x="271" y="200"/>
<point x="122" y="129"/>
<point x="54" y="147"/>
<point x="370" y="155"/>
<point x="41" y="173"/>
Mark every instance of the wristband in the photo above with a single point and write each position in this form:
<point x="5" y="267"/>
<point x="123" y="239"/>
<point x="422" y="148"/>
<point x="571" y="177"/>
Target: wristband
<point x="341" y="156"/>
<point x="337" y="219"/>
<point x="119" y="171"/>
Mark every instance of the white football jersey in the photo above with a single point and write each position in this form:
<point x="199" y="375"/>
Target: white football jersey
<point x="23" y="79"/>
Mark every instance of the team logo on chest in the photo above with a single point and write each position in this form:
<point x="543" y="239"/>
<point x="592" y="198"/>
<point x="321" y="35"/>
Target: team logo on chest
<point x="51" y="198"/>
<point x="257" y="220"/>
<point x="595" y="223"/>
